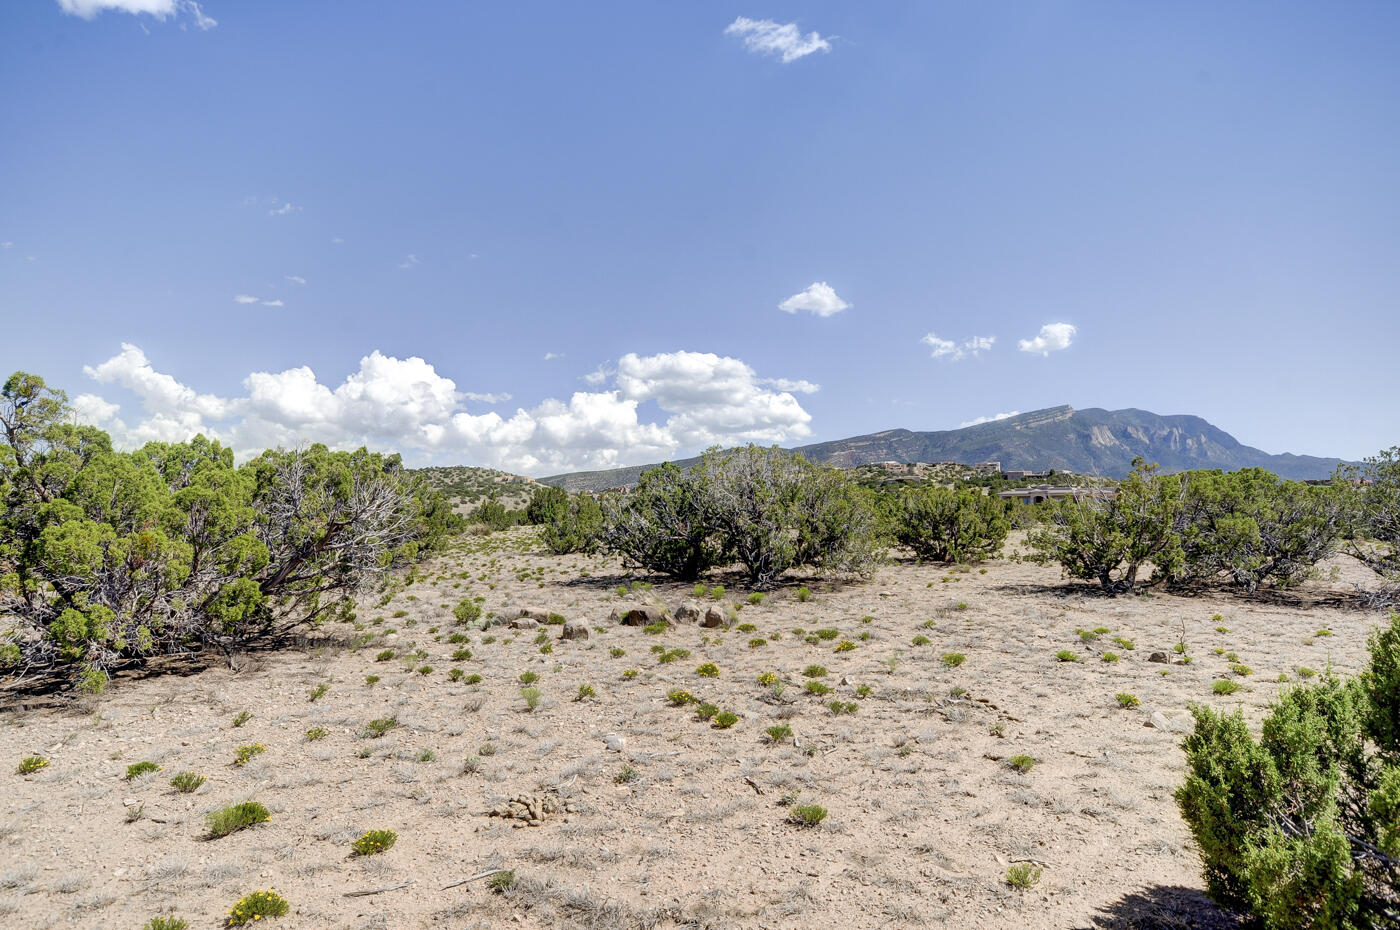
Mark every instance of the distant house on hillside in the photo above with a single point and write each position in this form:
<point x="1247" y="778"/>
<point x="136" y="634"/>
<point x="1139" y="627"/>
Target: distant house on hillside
<point x="1041" y="493"/>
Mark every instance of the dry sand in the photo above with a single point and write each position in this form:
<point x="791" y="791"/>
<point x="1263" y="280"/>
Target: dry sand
<point x="926" y="814"/>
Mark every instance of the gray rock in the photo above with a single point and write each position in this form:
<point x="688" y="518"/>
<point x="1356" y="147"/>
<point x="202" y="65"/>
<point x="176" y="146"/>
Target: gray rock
<point x="523" y="623"/>
<point x="615" y="741"/>
<point x="1175" y="723"/>
<point x="575" y="630"/>
<point x="538" y="614"/>
<point x="639" y="615"/>
<point x="714" y="617"/>
<point x="689" y="612"/>
<point x="1159" y="657"/>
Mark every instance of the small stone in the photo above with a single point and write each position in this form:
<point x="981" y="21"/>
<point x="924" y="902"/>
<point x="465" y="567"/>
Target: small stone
<point x="689" y="612"/>
<point x="575" y="630"/>
<point x="1159" y="657"/>
<point x="714" y="617"/>
<point x="523" y="623"/>
<point x="615" y="741"/>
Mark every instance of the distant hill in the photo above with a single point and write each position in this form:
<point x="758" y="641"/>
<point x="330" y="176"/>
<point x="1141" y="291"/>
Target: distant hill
<point x="1090" y="442"/>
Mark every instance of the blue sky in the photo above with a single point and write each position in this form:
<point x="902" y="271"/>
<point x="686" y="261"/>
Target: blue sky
<point x="660" y="225"/>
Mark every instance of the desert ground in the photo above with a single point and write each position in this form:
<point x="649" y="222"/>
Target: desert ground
<point x="651" y="816"/>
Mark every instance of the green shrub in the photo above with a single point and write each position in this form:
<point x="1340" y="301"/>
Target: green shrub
<point x="187" y="782"/>
<point x="256" y="907"/>
<point x="137" y="769"/>
<point x="318" y="692"/>
<point x="707" y="670"/>
<point x="757" y="598"/>
<point x="817" y="687"/>
<point x="943" y="525"/>
<point x="1023" y="875"/>
<point x="827" y="633"/>
<point x="576" y="527"/>
<point x="953" y="659"/>
<point x="384" y="656"/>
<point x="466" y="610"/>
<point x="245" y="753"/>
<point x="1064" y="655"/>
<point x="531" y="696"/>
<point x="241" y="718"/>
<point x="529" y="678"/>
<point x="1302" y="827"/>
<point x="1021" y="763"/>
<point x="1225" y="687"/>
<point x="236" y="817"/>
<point x="680" y="697"/>
<point x="626" y="776"/>
<point x="585" y="692"/>
<point x="657" y="628"/>
<point x="1127" y="700"/>
<point x="316" y="733"/>
<point x="380" y="726"/>
<point x="724" y="719"/>
<point x="814" y="671"/>
<point x="373" y="842"/>
<point x="921" y="640"/>
<point x="31" y="764"/>
<point x="806" y="815"/>
<point x="804" y="594"/>
<point x="473" y="679"/>
<point x="778" y="732"/>
<point x="706" y="711"/>
<point x="166" y="923"/>
<point x="501" y="882"/>
<point x="1109" y="657"/>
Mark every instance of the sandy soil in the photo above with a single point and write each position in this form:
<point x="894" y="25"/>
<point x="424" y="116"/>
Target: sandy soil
<point x="925" y="813"/>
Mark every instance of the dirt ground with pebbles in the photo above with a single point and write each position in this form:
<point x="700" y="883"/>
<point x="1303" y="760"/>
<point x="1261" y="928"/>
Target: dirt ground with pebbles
<point x="637" y="813"/>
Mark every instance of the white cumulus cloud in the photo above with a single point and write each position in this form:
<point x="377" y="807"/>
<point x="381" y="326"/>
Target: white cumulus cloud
<point x="819" y="299"/>
<point x="160" y="9"/>
<point x="1053" y="337"/>
<point x="957" y="351"/>
<point x="765" y="37"/>
<point x="407" y="405"/>
<point x="991" y="419"/>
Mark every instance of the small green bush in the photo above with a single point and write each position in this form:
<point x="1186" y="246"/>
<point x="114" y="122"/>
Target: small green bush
<point x="1064" y="655"/>
<point x="724" y="719"/>
<point x="187" y="782"/>
<point x="804" y="594"/>
<point x="657" y="628"/>
<point x="166" y="923"/>
<point x="316" y="733"/>
<point x="501" y="882"/>
<point x="778" y="732"/>
<point x="529" y="678"/>
<point x="241" y="718"/>
<point x="806" y="815"/>
<point x="31" y="764"/>
<point x="474" y="679"/>
<point x="373" y="842"/>
<point x="384" y="656"/>
<point x="706" y="711"/>
<point x="236" y="817"/>
<point x="921" y="640"/>
<point x="256" y="907"/>
<point x="137" y="769"/>
<point x="466" y="610"/>
<point x="708" y="670"/>
<point x="680" y="697"/>
<point x="1225" y="687"/>
<point x="318" y="692"/>
<point x="817" y="687"/>
<point x="1021" y="763"/>
<point x="953" y="659"/>
<point x="757" y="598"/>
<point x="1127" y="700"/>
<point x="378" y="727"/>
<point x="585" y="692"/>
<point x="1110" y="657"/>
<point x="814" y="671"/>
<point x="245" y="753"/>
<point x="531" y="696"/>
<point x="1023" y="875"/>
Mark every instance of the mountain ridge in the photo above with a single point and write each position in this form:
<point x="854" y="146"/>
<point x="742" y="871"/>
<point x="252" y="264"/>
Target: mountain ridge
<point x="1089" y="441"/>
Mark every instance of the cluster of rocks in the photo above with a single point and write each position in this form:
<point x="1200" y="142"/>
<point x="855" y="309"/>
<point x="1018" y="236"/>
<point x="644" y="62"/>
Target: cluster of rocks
<point x="688" y="612"/>
<point x="530" y="618"/>
<point x="530" y="810"/>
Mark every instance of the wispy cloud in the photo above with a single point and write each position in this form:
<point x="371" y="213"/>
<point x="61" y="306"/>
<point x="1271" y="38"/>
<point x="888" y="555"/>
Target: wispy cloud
<point x="765" y="37"/>
<point x="951" y="351"/>
<point x="551" y="356"/>
<point x="7" y="245"/>
<point x="160" y="9"/>
<point x="295" y="278"/>
<point x="272" y="303"/>
<point x="487" y="398"/>
<point x="991" y="419"/>
<point x="283" y="210"/>
<point x="245" y="299"/>
<point x="1053" y="337"/>
<point x="819" y="299"/>
<point x="409" y="261"/>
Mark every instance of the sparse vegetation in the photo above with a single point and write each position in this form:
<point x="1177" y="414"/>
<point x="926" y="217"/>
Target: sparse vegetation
<point x="806" y="815"/>
<point x="137" y="769"/>
<point x="226" y="820"/>
<point x="187" y="782"/>
<point x="257" y="906"/>
<point x="373" y="842"/>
